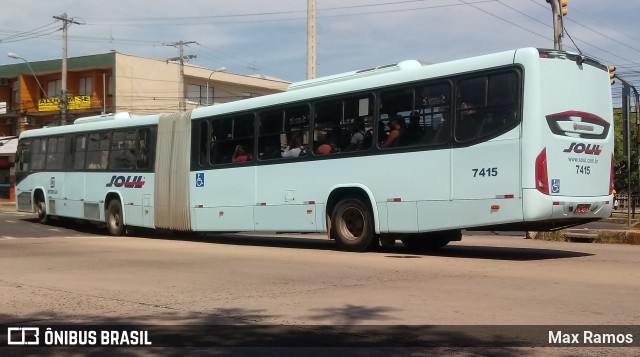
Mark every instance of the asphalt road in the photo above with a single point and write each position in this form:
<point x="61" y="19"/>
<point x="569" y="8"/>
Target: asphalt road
<point x="73" y="273"/>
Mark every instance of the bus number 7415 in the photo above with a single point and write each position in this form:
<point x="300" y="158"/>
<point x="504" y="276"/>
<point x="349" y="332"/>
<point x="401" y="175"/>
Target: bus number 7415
<point x="488" y="172"/>
<point x="585" y="170"/>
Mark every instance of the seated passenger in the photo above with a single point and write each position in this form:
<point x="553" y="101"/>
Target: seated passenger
<point x="241" y="154"/>
<point x="414" y="131"/>
<point x="295" y="148"/>
<point x="327" y="147"/>
<point x="396" y="124"/>
<point x="357" y="141"/>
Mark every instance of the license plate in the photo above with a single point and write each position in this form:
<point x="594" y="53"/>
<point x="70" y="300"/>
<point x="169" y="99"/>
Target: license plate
<point x="583" y="208"/>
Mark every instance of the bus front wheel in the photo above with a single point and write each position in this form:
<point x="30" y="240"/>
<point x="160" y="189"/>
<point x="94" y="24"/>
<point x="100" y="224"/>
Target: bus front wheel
<point x="41" y="211"/>
<point x="352" y="225"/>
<point x="115" y="224"/>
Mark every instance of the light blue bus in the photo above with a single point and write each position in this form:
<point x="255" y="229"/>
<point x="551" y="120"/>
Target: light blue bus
<point x="521" y="139"/>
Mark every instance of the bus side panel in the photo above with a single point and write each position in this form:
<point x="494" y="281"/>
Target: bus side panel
<point x="285" y="195"/>
<point x="223" y="200"/>
<point x="74" y="194"/>
<point x="56" y="204"/>
<point x="486" y="181"/>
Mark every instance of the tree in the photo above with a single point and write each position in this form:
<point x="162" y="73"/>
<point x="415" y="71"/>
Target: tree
<point x="620" y="169"/>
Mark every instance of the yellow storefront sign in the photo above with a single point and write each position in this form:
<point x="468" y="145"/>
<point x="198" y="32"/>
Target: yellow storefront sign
<point x="53" y="104"/>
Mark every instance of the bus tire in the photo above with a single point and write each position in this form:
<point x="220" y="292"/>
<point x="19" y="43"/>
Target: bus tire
<point x="113" y="215"/>
<point x="352" y="225"/>
<point x="41" y="210"/>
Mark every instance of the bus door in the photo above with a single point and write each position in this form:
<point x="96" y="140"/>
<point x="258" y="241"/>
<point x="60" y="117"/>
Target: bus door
<point x="74" y="185"/>
<point x="486" y="160"/>
<point x="55" y="180"/>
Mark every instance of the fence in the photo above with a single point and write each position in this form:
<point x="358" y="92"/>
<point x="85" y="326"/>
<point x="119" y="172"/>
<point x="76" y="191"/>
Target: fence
<point x="622" y="201"/>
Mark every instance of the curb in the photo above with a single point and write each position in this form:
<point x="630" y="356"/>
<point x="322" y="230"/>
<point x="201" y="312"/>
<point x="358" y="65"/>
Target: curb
<point x="603" y="236"/>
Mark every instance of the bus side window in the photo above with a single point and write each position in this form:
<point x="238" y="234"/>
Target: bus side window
<point x="357" y="123"/>
<point x="39" y="152"/>
<point x="296" y="131"/>
<point x="486" y="106"/>
<point x="80" y="152"/>
<point x="502" y="100"/>
<point x="24" y="155"/>
<point x="221" y="135"/>
<point x="431" y="117"/>
<point x="470" y="108"/>
<point x="123" y="146"/>
<point x="204" y="144"/>
<point x="270" y="127"/>
<point x="241" y="143"/>
<point x="396" y="104"/>
<point x="142" y="148"/>
<point x="97" y="151"/>
<point x="55" y="153"/>
<point x="326" y="128"/>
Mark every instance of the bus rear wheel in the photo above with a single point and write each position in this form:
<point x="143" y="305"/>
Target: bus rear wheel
<point x="113" y="215"/>
<point x="352" y="225"/>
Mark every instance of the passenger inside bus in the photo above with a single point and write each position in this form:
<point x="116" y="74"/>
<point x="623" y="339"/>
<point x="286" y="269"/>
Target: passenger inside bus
<point x="269" y="150"/>
<point x="241" y="154"/>
<point x="295" y="148"/>
<point x="327" y="145"/>
<point x="358" y="135"/>
<point x="414" y="133"/>
<point x="396" y="126"/>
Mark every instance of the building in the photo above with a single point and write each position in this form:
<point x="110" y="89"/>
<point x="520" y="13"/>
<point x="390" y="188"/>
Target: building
<point x="109" y="83"/>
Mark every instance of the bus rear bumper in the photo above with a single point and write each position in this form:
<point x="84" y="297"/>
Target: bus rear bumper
<point x="538" y="206"/>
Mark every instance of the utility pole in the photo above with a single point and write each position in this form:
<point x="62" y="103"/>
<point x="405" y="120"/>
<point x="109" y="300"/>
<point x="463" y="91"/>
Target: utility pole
<point x="182" y="105"/>
<point x="558" y="10"/>
<point x="64" y="99"/>
<point x="312" y="52"/>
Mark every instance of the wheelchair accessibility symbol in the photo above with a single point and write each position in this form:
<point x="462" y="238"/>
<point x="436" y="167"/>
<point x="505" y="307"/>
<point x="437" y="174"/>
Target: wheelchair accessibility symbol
<point x="555" y="186"/>
<point x="200" y="179"/>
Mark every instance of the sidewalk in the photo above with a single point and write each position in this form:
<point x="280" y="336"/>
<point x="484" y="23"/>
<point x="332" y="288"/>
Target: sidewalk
<point x="612" y="230"/>
<point x="6" y="206"/>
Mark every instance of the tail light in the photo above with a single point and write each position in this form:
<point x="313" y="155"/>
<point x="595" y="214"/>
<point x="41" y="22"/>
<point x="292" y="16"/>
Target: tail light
<point x="542" y="176"/>
<point x="611" y="174"/>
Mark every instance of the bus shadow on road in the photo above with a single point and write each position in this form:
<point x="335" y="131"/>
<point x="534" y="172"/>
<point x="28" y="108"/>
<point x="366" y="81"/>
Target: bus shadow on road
<point x="318" y="242"/>
<point x="506" y="253"/>
<point x="397" y="251"/>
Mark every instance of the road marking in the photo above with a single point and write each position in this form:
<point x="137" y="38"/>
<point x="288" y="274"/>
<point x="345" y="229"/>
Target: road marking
<point x="10" y="221"/>
<point x="54" y="229"/>
<point x="7" y="237"/>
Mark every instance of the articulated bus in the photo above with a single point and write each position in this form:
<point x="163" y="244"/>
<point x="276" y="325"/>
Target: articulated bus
<point x="517" y="140"/>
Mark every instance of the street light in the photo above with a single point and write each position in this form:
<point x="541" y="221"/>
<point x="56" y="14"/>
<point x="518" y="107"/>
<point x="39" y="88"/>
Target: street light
<point x="15" y="56"/>
<point x="221" y="69"/>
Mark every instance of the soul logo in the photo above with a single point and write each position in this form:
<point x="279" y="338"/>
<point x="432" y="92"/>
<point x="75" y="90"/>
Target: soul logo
<point x="129" y="181"/>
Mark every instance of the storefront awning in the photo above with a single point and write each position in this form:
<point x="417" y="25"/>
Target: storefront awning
<point x="8" y="145"/>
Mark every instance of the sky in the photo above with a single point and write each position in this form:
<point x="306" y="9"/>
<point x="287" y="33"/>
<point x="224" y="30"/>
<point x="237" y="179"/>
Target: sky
<point x="269" y="37"/>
